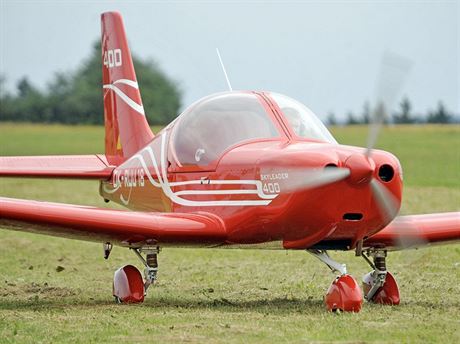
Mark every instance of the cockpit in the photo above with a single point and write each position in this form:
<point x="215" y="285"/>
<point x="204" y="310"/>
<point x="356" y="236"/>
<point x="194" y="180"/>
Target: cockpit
<point x="212" y="125"/>
<point x="302" y="120"/>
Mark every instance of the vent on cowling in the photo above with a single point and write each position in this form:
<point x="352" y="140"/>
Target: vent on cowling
<point x="352" y="216"/>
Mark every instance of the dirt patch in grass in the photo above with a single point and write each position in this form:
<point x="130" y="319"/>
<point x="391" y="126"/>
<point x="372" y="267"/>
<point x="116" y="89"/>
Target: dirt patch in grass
<point x="35" y="290"/>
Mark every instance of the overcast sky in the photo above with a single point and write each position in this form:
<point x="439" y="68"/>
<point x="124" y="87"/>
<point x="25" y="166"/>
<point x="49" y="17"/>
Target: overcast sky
<point x="327" y="54"/>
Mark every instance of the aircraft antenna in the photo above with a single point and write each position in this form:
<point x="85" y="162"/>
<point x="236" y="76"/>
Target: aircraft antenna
<point x="223" y="68"/>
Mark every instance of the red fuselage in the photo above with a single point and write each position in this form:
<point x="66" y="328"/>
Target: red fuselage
<point x="255" y="187"/>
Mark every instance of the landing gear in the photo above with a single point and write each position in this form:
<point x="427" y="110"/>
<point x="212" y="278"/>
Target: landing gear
<point x="150" y="262"/>
<point x="107" y="249"/>
<point x="379" y="285"/>
<point x="344" y="294"/>
<point x="128" y="286"/>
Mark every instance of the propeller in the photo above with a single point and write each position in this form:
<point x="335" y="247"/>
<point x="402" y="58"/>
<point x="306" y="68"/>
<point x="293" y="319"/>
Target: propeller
<point x="385" y="200"/>
<point x="393" y="72"/>
<point x="300" y="179"/>
<point x="409" y="235"/>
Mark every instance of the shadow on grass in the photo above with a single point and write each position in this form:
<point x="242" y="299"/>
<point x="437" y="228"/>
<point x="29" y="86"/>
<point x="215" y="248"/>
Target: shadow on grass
<point x="276" y="305"/>
<point x="263" y="305"/>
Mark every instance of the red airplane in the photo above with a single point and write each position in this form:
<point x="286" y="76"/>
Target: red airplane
<point x="236" y="169"/>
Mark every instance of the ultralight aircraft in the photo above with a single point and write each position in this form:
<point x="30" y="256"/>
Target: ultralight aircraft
<point x="246" y="169"/>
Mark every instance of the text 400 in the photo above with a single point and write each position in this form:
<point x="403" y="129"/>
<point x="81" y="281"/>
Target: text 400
<point x="271" y="188"/>
<point x="112" y="58"/>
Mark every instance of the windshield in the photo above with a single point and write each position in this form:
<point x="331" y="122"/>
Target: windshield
<point x="210" y="126"/>
<point x="302" y="120"/>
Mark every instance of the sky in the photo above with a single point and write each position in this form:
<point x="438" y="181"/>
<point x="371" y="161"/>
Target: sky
<point x="326" y="54"/>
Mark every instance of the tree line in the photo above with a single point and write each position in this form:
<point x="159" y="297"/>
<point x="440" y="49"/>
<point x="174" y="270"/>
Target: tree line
<point x="76" y="97"/>
<point x="404" y="115"/>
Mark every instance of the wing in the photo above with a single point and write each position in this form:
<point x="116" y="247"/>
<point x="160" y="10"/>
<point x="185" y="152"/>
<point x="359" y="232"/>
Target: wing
<point x="417" y="230"/>
<point x="106" y="225"/>
<point x="56" y="166"/>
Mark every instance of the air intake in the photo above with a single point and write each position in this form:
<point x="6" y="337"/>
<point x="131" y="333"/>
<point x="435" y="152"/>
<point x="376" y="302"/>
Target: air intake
<point x="352" y="216"/>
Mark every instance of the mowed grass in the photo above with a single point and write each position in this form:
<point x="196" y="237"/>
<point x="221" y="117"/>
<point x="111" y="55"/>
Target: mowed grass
<point x="429" y="154"/>
<point x="224" y="295"/>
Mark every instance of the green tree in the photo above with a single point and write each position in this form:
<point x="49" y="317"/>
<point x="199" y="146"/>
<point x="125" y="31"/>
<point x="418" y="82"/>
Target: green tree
<point x="440" y="115"/>
<point x="76" y="97"/>
<point x="404" y="116"/>
<point x="331" y="120"/>
<point x="351" y="119"/>
<point x="29" y="104"/>
<point x="366" y="112"/>
<point x="2" y="86"/>
<point x="5" y="101"/>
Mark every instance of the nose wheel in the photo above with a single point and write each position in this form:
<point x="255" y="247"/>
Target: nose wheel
<point x="344" y="294"/>
<point x="128" y="285"/>
<point x="379" y="285"/>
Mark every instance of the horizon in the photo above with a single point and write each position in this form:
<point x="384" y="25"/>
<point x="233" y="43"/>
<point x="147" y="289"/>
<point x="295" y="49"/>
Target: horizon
<point x="343" y="55"/>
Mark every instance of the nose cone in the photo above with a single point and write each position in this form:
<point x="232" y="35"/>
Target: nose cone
<point x="361" y="168"/>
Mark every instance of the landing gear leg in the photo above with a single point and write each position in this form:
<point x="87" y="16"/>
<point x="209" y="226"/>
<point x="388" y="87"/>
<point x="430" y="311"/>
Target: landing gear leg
<point x="128" y="286"/>
<point x="344" y="294"/>
<point x="379" y="285"/>
<point x="151" y="264"/>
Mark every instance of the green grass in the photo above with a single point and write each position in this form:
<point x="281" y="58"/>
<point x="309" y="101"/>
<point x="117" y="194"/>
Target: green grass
<point x="224" y="295"/>
<point x="429" y="154"/>
<point x="35" y="139"/>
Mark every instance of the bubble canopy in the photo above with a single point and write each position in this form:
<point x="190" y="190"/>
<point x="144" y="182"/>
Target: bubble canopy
<point x="302" y="120"/>
<point x="205" y="130"/>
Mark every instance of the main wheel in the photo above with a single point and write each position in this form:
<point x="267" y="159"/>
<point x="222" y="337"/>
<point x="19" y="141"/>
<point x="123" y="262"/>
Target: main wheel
<point x="344" y="294"/>
<point x="128" y="286"/>
<point x="387" y="295"/>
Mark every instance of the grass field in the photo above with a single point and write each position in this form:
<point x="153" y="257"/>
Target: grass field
<point x="224" y="295"/>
